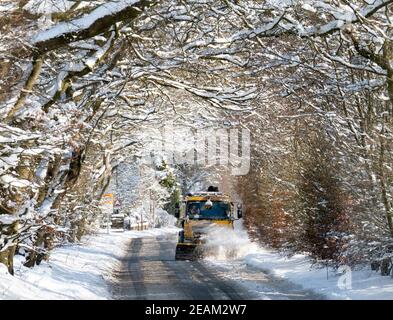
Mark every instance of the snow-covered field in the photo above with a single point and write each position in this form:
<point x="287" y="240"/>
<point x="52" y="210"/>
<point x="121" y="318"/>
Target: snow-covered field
<point x="73" y="271"/>
<point x="361" y="283"/>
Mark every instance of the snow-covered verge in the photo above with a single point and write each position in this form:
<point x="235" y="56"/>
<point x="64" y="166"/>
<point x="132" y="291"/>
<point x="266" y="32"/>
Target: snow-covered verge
<point x="345" y="283"/>
<point x="79" y="271"/>
<point x="361" y="284"/>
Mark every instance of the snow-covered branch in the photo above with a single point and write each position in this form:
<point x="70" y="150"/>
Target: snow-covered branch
<point x="95" y="23"/>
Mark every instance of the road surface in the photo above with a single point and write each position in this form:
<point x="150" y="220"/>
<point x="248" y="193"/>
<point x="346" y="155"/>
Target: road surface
<point x="150" y="271"/>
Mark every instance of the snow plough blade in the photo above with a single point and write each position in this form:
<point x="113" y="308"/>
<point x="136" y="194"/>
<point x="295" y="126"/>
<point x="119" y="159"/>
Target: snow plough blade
<point x="187" y="251"/>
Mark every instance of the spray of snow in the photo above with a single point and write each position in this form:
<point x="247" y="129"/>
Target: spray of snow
<point x="222" y="243"/>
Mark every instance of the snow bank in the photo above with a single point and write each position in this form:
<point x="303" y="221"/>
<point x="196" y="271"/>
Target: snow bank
<point x="362" y="283"/>
<point x="73" y="271"/>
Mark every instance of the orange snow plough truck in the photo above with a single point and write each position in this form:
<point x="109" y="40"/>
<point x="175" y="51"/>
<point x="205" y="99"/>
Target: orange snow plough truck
<point x="200" y="211"/>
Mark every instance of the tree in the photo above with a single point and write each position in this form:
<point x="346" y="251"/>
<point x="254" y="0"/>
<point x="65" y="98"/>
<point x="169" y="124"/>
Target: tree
<point x="84" y="85"/>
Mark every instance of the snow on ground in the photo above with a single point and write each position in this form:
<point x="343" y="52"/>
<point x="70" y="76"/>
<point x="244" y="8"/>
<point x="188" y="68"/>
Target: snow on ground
<point x="77" y="271"/>
<point x="82" y="271"/>
<point x="362" y="283"/>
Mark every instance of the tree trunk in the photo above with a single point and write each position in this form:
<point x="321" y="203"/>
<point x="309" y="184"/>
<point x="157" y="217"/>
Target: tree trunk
<point x="384" y="194"/>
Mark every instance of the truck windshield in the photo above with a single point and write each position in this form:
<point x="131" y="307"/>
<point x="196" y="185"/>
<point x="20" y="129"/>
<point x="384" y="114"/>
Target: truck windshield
<point x="197" y="209"/>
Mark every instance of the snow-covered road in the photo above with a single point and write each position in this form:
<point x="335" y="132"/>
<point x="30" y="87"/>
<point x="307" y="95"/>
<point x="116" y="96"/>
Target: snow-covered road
<point x="141" y="265"/>
<point x="150" y="271"/>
